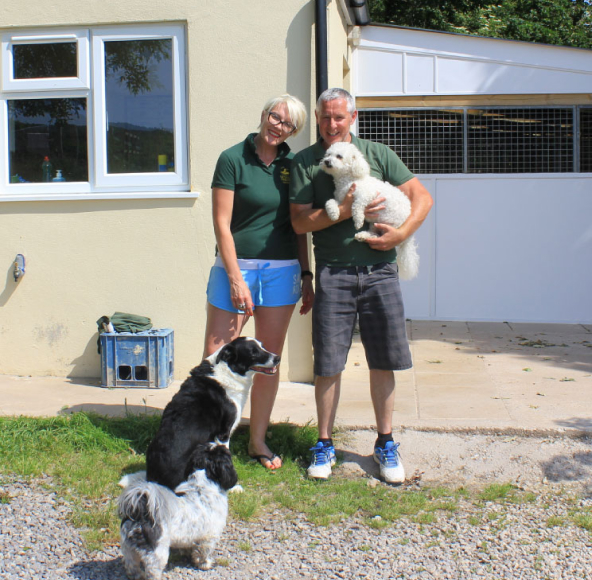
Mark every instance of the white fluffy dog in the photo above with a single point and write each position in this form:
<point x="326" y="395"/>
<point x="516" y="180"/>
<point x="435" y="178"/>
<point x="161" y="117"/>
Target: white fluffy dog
<point x="346" y="164"/>
<point x="155" y="519"/>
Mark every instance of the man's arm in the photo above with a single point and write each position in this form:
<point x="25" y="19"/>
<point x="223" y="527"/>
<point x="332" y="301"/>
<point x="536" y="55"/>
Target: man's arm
<point x="421" y="203"/>
<point x="306" y="219"/>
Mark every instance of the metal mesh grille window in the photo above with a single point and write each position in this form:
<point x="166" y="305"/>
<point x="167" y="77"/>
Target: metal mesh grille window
<point x="427" y="141"/>
<point x="586" y="140"/>
<point x="484" y="140"/>
<point x="520" y="140"/>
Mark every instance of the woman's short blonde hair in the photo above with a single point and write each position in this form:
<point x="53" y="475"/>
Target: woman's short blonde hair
<point x="296" y="110"/>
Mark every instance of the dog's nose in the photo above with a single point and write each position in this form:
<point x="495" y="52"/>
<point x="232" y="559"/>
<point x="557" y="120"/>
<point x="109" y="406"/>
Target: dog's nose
<point x="327" y="163"/>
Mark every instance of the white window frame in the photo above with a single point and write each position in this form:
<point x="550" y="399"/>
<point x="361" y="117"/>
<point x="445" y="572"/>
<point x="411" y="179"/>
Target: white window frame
<point x="90" y="85"/>
<point x="82" y="81"/>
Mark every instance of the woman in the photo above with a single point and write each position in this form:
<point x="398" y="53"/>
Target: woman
<point x="261" y="263"/>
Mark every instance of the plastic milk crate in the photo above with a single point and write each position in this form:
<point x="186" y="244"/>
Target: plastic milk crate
<point x="140" y="359"/>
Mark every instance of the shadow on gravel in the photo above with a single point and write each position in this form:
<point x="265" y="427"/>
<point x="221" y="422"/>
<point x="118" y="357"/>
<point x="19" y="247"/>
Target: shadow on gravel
<point x="97" y="570"/>
<point x="576" y="467"/>
<point x="114" y="570"/>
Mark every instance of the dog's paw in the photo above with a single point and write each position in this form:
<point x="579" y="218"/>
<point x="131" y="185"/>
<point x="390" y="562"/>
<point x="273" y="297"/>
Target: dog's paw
<point x="332" y="209"/>
<point x="363" y="236"/>
<point x="205" y="564"/>
<point x="238" y="488"/>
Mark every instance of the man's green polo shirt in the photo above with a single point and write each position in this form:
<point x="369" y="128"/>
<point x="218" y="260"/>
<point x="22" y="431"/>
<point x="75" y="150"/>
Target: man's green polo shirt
<point x="335" y="245"/>
<point x="260" y="224"/>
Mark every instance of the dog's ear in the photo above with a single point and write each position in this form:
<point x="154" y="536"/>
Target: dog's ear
<point x="237" y="355"/>
<point x="359" y="166"/>
<point x="227" y="354"/>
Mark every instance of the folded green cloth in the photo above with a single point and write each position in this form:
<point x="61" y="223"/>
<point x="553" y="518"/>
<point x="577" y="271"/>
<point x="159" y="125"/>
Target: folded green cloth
<point x="124" y="322"/>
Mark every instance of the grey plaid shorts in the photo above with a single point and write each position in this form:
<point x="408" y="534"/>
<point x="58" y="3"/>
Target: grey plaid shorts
<point x="373" y="295"/>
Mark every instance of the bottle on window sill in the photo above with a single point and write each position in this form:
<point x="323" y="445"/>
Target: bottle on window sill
<point x="46" y="169"/>
<point x="59" y="176"/>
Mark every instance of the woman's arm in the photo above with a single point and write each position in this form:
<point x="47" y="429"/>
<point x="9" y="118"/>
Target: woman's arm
<point x="222" y="204"/>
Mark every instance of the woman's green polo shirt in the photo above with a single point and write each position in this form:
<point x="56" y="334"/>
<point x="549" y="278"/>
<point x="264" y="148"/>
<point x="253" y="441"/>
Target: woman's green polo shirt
<point x="260" y="223"/>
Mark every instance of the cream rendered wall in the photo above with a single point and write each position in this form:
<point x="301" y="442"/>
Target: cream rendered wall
<point x="150" y="256"/>
<point x="338" y="51"/>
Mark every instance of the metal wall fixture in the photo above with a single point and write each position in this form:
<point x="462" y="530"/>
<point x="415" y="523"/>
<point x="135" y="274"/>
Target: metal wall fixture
<point x="19" y="267"/>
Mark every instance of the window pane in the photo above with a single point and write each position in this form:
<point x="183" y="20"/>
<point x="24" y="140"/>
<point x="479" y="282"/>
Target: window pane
<point x="427" y="141"/>
<point x="37" y="61"/>
<point x="139" y="102"/>
<point x="520" y="140"/>
<point x="53" y="128"/>
<point x="586" y="140"/>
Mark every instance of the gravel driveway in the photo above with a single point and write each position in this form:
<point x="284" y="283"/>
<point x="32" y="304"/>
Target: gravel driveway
<point x="510" y="541"/>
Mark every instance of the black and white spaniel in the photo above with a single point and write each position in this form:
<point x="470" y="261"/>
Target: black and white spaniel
<point x="180" y="501"/>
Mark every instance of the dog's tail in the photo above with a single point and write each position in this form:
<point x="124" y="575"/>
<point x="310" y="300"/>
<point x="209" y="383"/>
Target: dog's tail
<point x="144" y="501"/>
<point x="408" y="259"/>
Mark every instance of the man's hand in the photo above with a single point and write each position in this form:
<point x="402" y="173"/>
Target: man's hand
<point x="374" y="208"/>
<point x="389" y="238"/>
<point x="345" y="207"/>
<point x="307" y="295"/>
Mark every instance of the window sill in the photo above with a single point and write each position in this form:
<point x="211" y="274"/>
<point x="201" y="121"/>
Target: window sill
<point x="99" y="196"/>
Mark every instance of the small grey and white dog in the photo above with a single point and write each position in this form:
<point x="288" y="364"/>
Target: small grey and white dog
<point x="191" y="518"/>
<point x="346" y="164"/>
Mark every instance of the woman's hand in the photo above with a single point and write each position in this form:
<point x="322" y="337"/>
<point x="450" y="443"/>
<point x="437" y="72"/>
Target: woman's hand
<point x="240" y="296"/>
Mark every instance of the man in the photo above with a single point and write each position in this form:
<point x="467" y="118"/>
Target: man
<point x="354" y="280"/>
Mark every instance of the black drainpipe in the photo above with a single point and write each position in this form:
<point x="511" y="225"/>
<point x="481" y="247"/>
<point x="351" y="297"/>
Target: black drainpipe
<point x="362" y="17"/>
<point x="321" y="46"/>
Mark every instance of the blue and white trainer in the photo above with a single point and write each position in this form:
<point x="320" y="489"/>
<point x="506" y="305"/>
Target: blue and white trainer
<point x="391" y="467"/>
<point x="323" y="458"/>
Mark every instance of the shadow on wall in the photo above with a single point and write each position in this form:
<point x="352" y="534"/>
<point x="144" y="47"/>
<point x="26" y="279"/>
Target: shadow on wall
<point x="88" y="364"/>
<point x="299" y="55"/>
<point x="9" y="286"/>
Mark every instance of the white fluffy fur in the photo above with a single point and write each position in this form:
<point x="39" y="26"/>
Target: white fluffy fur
<point x="191" y="518"/>
<point x="346" y="164"/>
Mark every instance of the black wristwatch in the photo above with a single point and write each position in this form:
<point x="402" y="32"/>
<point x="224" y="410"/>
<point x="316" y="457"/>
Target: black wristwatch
<point x="306" y="273"/>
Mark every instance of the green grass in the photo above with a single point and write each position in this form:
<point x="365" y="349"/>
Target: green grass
<point x="86" y="455"/>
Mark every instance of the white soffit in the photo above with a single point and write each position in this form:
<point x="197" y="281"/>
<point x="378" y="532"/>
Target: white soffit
<point x="391" y="61"/>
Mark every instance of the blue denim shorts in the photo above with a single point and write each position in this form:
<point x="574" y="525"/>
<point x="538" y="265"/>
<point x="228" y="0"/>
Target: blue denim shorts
<point x="371" y="295"/>
<point x="271" y="282"/>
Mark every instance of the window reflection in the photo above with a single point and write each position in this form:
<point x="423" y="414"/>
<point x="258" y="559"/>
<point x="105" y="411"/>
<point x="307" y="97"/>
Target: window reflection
<point x="139" y="102"/>
<point x="46" y="60"/>
<point x="52" y="128"/>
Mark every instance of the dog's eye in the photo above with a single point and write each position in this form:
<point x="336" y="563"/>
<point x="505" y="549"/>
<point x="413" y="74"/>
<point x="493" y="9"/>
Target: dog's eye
<point x="339" y="156"/>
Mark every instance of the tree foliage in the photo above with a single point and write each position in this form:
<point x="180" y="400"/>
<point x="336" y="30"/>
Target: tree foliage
<point x="559" y="22"/>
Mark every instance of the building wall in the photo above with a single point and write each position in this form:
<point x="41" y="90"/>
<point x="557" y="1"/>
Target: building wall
<point x="499" y="247"/>
<point x="150" y="256"/>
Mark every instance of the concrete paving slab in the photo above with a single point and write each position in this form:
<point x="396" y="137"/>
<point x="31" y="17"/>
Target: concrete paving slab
<point x="492" y="377"/>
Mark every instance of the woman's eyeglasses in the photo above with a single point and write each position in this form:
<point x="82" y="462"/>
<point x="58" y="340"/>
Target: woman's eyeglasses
<point x="276" y="120"/>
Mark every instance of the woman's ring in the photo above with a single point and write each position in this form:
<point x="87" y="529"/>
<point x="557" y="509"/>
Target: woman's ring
<point x="242" y="306"/>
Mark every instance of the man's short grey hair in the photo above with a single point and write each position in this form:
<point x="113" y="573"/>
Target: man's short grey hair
<point x="335" y="93"/>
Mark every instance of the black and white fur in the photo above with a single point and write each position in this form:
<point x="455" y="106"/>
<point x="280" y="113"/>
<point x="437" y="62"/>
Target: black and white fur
<point x="191" y="518"/>
<point x="346" y="164"/>
<point x="207" y="408"/>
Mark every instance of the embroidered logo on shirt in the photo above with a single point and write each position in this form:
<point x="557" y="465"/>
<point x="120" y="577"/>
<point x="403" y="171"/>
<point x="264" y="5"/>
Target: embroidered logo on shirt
<point x="285" y="175"/>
